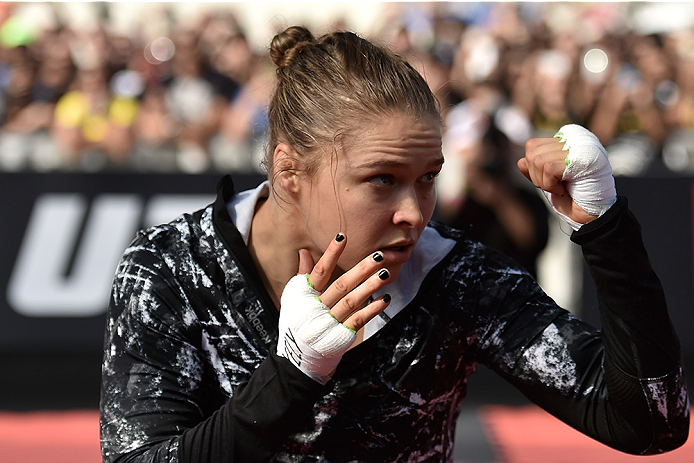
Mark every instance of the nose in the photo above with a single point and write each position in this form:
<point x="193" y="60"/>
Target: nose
<point x="408" y="210"/>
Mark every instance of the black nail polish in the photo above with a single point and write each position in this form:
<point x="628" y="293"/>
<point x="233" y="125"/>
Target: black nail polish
<point x="339" y="237"/>
<point x="377" y="257"/>
<point x="383" y="274"/>
<point x="386" y="298"/>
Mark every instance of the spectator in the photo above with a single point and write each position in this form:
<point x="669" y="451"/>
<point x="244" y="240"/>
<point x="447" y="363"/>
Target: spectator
<point x="628" y="120"/>
<point x="155" y="133"/>
<point x="93" y="127"/>
<point x="18" y="76"/>
<point x="213" y="88"/>
<point x="488" y="202"/>
<point x="196" y="96"/>
<point x="678" y="150"/>
<point x="239" y="144"/>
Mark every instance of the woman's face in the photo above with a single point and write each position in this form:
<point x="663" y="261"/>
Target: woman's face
<point x="379" y="191"/>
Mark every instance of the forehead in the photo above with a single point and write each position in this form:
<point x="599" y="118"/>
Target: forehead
<point x="398" y="135"/>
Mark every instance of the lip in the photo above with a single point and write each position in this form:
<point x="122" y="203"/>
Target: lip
<point x="398" y="253"/>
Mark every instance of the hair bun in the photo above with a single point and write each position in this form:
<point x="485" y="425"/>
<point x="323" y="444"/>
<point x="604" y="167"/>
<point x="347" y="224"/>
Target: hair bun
<point x="286" y="45"/>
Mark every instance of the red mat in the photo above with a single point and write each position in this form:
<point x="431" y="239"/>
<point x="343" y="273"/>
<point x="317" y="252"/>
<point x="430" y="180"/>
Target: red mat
<point x="518" y="434"/>
<point x="50" y="437"/>
<point x="531" y="435"/>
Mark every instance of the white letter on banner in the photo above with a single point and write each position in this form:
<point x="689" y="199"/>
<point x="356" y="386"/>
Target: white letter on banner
<point x="39" y="286"/>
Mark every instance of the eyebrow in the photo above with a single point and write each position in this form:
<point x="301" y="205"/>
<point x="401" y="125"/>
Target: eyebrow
<point x="392" y="163"/>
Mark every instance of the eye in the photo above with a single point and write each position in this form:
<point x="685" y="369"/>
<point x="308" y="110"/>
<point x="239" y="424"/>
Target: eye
<point x="382" y="180"/>
<point x="429" y="177"/>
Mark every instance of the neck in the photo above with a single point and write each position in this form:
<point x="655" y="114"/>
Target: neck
<point x="274" y="244"/>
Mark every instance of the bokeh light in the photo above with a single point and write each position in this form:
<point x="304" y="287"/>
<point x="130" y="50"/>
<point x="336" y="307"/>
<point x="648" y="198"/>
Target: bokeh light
<point x="595" y="60"/>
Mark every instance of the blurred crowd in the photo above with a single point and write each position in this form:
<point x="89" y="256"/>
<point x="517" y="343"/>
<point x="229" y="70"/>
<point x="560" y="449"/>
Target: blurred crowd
<point x="192" y="98"/>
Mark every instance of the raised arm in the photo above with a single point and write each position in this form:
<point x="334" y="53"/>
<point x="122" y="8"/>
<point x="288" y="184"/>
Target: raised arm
<point x="624" y="385"/>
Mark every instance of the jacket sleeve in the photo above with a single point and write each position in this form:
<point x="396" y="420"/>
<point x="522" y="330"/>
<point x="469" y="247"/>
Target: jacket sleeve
<point x="157" y="404"/>
<point x="642" y="365"/>
<point x="251" y="426"/>
<point x="623" y="385"/>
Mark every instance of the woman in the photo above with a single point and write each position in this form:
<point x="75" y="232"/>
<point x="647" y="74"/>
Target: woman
<point x="368" y="357"/>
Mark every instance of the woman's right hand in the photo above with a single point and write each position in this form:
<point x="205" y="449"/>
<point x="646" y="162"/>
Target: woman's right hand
<point x="318" y="320"/>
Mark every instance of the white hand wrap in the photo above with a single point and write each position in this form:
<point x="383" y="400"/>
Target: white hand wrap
<point x="588" y="174"/>
<point x="309" y="336"/>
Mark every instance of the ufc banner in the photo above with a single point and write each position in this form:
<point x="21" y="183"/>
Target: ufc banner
<point x="63" y="234"/>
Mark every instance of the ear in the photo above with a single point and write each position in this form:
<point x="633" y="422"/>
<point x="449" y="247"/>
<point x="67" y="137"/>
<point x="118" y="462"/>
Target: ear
<point x="287" y="168"/>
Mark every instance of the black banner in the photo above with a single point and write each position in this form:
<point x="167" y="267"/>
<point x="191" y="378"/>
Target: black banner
<point x="63" y="234"/>
<point x="663" y="207"/>
<point x="62" y="237"/>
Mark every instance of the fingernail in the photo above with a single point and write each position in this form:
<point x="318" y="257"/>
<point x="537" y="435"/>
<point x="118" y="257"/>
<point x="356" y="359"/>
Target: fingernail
<point x="386" y="298"/>
<point x="383" y="274"/>
<point x="377" y="257"/>
<point x="339" y="237"/>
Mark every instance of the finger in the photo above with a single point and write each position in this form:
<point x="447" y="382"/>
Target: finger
<point x="323" y="270"/>
<point x="534" y="165"/>
<point x="537" y="151"/>
<point x="305" y="262"/>
<point x="543" y="144"/>
<point x="523" y="167"/>
<point x="361" y="317"/>
<point x="537" y="162"/>
<point x="351" y="279"/>
<point x="549" y="151"/>
<point x="553" y="173"/>
<point x="556" y="187"/>
<point x="355" y="299"/>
